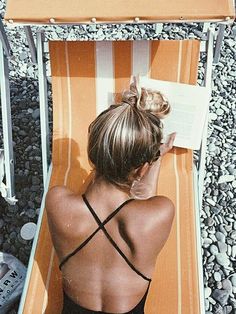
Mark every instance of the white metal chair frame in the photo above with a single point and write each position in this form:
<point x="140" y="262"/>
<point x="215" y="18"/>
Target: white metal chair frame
<point x="7" y="189"/>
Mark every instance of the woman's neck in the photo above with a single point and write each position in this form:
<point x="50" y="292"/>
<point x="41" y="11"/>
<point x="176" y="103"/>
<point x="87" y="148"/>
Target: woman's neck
<point x="101" y="187"/>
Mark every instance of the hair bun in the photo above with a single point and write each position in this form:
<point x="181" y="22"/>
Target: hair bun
<point x="146" y="100"/>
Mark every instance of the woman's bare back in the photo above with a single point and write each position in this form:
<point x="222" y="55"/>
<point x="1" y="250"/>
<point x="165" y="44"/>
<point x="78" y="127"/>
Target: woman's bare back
<point x="97" y="277"/>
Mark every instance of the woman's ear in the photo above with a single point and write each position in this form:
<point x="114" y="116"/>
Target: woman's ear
<point x="141" y="171"/>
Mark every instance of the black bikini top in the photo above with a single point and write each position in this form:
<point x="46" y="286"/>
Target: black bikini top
<point x="101" y="226"/>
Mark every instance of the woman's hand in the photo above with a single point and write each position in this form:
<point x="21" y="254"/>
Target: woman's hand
<point x="166" y="147"/>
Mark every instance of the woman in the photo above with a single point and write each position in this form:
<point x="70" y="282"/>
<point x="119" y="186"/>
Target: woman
<point x="107" y="267"/>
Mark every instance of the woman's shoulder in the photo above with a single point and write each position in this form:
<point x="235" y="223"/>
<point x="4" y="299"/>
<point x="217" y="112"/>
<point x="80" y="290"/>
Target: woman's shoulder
<point x="59" y="202"/>
<point x="157" y="206"/>
<point x="153" y="215"/>
<point x="153" y="223"/>
<point x="56" y="196"/>
<point x="161" y="206"/>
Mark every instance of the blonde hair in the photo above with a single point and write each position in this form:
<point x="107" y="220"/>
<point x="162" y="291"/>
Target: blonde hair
<point x="127" y="135"/>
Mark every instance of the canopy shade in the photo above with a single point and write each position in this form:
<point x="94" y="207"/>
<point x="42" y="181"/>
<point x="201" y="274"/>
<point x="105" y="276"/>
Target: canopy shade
<point x="119" y="11"/>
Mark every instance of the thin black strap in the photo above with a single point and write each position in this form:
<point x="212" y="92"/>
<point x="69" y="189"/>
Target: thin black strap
<point x="101" y="226"/>
<point x="65" y="259"/>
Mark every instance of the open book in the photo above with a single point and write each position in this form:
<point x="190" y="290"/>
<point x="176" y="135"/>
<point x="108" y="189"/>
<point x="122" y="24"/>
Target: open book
<point x="189" y="107"/>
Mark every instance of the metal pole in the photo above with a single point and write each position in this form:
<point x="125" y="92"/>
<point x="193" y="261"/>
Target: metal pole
<point x="30" y="39"/>
<point x="208" y="83"/>
<point x="4" y="40"/>
<point x="198" y="242"/>
<point x="7" y="125"/>
<point x="43" y="101"/>
<point x="219" y="41"/>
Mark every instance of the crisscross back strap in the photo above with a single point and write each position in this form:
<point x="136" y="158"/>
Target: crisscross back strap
<point x="101" y="226"/>
<point x="65" y="259"/>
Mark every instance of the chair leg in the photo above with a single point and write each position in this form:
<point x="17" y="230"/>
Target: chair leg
<point x="219" y="42"/>
<point x="43" y="101"/>
<point x="9" y="194"/>
<point x="208" y="82"/>
<point x="4" y="40"/>
<point x="30" y="40"/>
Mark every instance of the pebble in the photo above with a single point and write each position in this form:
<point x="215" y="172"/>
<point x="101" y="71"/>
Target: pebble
<point x="23" y="55"/>
<point x="222" y="229"/>
<point x="221" y="296"/>
<point x="211" y="147"/>
<point x="1" y="239"/>
<point x="1" y="223"/>
<point x="222" y="259"/>
<point x="233" y="235"/>
<point x="210" y="201"/>
<point x="207" y="242"/>
<point x="212" y="116"/>
<point x="226" y="178"/>
<point x="227" y="285"/>
<point x="222" y="247"/>
<point x="220" y="236"/>
<point x="209" y="221"/>
<point x="204" y="234"/>
<point x="233" y="279"/>
<point x="213" y="249"/>
<point x="233" y="251"/>
<point x="207" y="292"/>
<point x="219" y="112"/>
<point x="232" y="73"/>
<point x="217" y="276"/>
<point x="36" y="114"/>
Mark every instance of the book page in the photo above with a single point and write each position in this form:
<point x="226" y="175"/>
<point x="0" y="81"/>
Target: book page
<point x="189" y="107"/>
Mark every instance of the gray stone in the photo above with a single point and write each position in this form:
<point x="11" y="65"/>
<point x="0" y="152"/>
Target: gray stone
<point x="210" y="201"/>
<point x="220" y="236"/>
<point x="233" y="280"/>
<point x="212" y="147"/>
<point x="207" y="242"/>
<point x="1" y="223"/>
<point x="232" y="73"/>
<point x="212" y="116"/>
<point x="233" y="235"/>
<point x="227" y="285"/>
<point x="23" y="55"/>
<point x="220" y="296"/>
<point x="36" y="114"/>
<point x="222" y="247"/>
<point x="219" y="112"/>
<point x="1" y="239"/>
<point x="213" y="249"/>
<point x="209" y="221"/>
<point x="233" y="251"/>
<point x="222" y="259"/>
<point x="217" y="276"/>
<point x="207" y="292"/>
<point x="222" y="229"/>
<point x="228" y="309"/>
<point x="226" y="178"/>
<point x="35" y="180"/>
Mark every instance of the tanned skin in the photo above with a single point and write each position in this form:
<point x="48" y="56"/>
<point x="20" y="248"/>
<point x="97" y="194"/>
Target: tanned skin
<point x="97" y="277"/>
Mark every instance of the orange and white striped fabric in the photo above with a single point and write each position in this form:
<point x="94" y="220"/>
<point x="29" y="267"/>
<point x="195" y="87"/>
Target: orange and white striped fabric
<point x="85" y="78"/>
<point x="83" y="11"/>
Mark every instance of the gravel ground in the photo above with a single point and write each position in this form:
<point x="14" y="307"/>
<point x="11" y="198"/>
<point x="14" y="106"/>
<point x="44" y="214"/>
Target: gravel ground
<point x="218" y="214"/>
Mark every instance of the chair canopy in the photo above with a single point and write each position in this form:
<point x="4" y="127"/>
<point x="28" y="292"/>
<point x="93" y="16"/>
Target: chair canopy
<point x="119" y="11"/>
